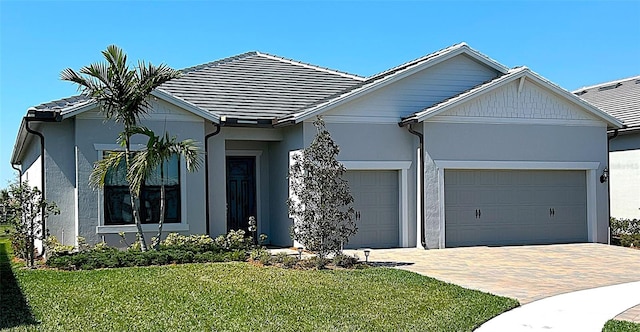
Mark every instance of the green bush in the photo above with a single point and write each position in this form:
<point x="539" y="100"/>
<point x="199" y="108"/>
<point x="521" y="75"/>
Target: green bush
<point x="194" y="243"/>
<point x="345" y="261"/>
<point x="234" y="240"/>
<point x="624" y="226"/>
<point x="261" y="255"/>
<point x="90" y="260"/>
<point x="628" y="240"/>
<point x="316" y="262"/>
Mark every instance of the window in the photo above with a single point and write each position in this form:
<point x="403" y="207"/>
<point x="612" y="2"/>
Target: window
<point x="117" y="202"/>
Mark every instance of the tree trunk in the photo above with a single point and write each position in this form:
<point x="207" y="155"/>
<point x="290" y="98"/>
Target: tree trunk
<point x="134" y="198"/>
<point x="162" y="205"/>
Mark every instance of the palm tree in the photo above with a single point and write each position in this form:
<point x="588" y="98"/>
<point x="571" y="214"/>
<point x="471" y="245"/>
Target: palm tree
<point x="160" y="150"/>
<point x="123" y="95"/>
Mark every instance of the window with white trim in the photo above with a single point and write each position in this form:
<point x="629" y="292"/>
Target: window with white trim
<point x="117" y="202"/>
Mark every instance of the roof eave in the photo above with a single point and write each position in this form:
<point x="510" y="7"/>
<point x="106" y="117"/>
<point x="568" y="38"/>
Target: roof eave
<point x="611" y="121"/>
<point x="179" y="102"/>
<point x="19" y="144"/>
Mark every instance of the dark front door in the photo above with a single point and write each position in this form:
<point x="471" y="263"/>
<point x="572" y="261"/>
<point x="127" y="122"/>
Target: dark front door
<point x="241" y="191"/>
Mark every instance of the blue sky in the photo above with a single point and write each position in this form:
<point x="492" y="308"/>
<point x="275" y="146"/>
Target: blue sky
<point x="573" y="43"/>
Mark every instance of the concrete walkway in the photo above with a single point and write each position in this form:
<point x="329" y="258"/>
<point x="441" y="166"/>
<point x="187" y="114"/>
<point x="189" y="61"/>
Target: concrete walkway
<point x="526" y="273"/>
<point x="585" y="310"/>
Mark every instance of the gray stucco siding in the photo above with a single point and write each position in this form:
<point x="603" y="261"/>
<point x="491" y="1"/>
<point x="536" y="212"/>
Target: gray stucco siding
<point x="509" y="142"/>
<point x="235" y="140"/>
<point x="417" y="91"/>
<point x="366" y="144"/>
<point x="91" y="130"/>
<point x="279" y="220"/>
<point x="61" y="178"/>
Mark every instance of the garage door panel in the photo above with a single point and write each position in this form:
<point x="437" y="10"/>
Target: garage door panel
<point x="516" y="207"/>
<point x="375" y="196"/>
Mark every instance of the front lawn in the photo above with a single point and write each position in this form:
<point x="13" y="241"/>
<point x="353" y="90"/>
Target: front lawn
<point x="238" y="297"/>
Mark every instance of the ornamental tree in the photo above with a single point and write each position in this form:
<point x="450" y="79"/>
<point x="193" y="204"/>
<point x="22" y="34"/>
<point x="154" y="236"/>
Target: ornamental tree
<point x="320" y="202"/>
<point x="25" y="206"/>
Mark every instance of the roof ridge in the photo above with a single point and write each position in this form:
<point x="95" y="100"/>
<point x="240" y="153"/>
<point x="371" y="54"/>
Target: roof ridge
<point x="311" y="66"/>
<point x="218" y="62"/>
<point x="606" y="83"/>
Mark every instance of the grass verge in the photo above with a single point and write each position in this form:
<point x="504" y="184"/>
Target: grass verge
<point x="621" y="326"/>
<point x="244" y="297"/>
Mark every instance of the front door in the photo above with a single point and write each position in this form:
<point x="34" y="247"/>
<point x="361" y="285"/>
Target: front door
<point x="241" y="191"/>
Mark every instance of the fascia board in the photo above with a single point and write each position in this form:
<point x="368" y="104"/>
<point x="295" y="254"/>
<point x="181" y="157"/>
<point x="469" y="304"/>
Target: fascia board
<point x="610" y="120"/>
<point x="19" y="144"/>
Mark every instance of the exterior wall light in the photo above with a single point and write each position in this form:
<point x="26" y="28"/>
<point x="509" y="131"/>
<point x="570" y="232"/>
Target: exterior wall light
<point x="605" y="175"/>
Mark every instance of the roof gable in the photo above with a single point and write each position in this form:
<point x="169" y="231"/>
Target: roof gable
<point x="511" y="96"/>
<point x="392" y="75"/>
<point x="620" y="98"/>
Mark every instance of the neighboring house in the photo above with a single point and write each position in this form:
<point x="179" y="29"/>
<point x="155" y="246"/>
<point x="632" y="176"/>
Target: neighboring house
<point x="450" y="149"/>
<point x="621" y="99"/>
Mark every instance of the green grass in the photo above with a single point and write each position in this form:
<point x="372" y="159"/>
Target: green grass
<point x="241" y="297"/>
<point x="621" y="326"/>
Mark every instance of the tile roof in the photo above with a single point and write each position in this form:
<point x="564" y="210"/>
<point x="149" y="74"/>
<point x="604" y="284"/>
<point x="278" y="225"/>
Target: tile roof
<point x="619" y="98"/>
<point x="64" y="104"/>
<point x="256" y="85"/>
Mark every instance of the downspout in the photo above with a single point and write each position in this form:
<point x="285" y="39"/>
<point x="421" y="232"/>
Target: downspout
<point x="421" y="184"/>
<point x="44" y="195"/>
<point x="34" y="115"/>
<point x="19" y="172"/>
<point x="609" y="138"/>
<point x="206" y="171"/>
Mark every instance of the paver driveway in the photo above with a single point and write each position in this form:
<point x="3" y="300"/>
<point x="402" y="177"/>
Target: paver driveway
<point x="527" y="273"/>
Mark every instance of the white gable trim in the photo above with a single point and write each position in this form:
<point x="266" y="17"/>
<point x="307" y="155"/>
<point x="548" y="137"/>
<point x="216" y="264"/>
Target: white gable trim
<point x="515" y="121"/>
<point x="519" y="73"/>
<point x="158" y="93"/>
<point x="453" y="51"/>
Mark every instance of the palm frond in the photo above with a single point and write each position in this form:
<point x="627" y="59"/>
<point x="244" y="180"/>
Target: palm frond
<point x="110" y="162"/>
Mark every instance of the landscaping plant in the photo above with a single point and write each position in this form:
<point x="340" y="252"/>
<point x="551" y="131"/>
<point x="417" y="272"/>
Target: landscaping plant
<point x="28" y="210"/>
<point x="320" y="202"/>
<point x="123" y="95"/>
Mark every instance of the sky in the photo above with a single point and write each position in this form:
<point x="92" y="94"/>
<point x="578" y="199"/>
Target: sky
<point x="571" y="43"/>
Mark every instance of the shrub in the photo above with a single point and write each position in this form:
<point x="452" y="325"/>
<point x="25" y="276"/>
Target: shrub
<point x="628" y="240"/>
<point x="345" y="261"/>
<point x="111" y="258"/>
<point x="261" y="255"/>
<point x="234" y="240"/>
<point x="624" y="226"/>
<point x="315" y="262"/>
<point x="194" y="243"/>
<point x="53" y="247"/>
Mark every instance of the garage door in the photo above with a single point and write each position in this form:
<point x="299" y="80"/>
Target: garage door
<point x="514" y="207"/>
<point x="375" y="196"/>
